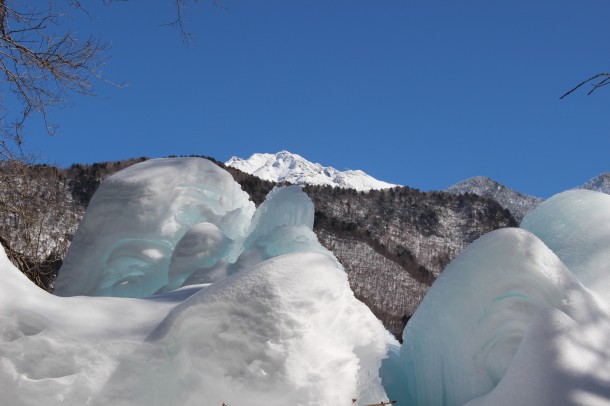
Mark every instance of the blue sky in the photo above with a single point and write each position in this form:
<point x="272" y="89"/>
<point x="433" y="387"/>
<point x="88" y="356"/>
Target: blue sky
<point x="419" y="93"/>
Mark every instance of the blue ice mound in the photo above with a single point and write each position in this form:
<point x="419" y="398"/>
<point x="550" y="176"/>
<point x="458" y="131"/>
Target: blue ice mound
<point x="200" y="256"/>
<point x="167" y="223"/>
<point x="281" y="225"/>
<point x="509" y="323"/>
<point x="462" y="338"/>
<point x="576" y="226"/>
<point x="125" y="242"/>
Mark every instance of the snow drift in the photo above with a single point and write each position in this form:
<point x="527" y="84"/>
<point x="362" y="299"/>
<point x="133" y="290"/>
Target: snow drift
<point x="273" y="323"/>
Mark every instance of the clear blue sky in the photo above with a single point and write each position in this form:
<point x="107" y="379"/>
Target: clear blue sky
<point x="419" y="93"/>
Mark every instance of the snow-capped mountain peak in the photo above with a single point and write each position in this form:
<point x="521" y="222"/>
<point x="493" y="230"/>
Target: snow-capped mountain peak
<point x="292" y="168"/>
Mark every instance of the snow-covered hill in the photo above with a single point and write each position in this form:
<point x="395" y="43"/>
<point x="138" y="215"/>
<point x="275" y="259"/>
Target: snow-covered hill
<point x="517" y="203"/>
<point x="292" y="168"/>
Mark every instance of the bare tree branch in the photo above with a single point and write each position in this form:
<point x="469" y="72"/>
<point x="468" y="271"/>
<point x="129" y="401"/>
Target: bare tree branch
<point x="42" y="64"/>
<point x="602" y="80"/>
<point x="180" y="22"/>
<point x="41" y="61"/>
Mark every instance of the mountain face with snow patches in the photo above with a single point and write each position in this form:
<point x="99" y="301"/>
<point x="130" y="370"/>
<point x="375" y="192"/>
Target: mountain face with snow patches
<point x="292" y="168"/>
<point x="600" y="183"/>
<point x="517" y="203"/>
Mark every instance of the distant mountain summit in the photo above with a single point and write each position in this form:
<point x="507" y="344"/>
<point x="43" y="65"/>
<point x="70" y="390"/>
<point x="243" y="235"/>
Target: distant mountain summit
<point x="292" y="168"/>
<point x="517" y="203"/>
<point x="600" y="183"/>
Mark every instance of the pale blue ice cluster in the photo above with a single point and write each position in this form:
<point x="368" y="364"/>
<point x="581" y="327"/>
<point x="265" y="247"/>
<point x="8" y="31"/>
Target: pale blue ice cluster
<point x="165" y="223"/>
<point x="519" y="318"/>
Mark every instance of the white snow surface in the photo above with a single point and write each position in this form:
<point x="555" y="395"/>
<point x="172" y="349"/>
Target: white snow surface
<point x="275" y="323"/>
<point x="508" y="323"/>
<point x="292" y="168"/>
<point x="262" y="314"/>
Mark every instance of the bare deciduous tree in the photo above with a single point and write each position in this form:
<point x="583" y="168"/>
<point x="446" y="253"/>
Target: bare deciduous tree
<point x="41" y="62"/>
<point x="36" y="223"/>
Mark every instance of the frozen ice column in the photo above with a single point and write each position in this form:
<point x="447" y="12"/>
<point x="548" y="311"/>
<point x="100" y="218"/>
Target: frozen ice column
<point x="461" y="340"/>
<point x="282" y="224"/>
<point x="124" y="244"/>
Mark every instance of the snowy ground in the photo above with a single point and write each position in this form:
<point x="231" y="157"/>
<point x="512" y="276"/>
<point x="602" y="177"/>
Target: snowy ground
<point x="177" y="292"/>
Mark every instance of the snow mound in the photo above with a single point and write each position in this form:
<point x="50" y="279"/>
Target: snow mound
<point x="274" y="323"/>
<point x="292" y="168"/>
<point x="264" y="336"/>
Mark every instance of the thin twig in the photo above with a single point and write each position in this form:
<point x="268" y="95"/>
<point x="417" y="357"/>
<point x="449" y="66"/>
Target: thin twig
<point x="596" y="86"/>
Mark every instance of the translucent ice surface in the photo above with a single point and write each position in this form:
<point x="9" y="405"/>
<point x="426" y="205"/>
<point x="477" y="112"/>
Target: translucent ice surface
<point x="509" y="323"/>
<point x="576" y="226"/>
<point x="124" y="245"/>
<point x="281" y="225"/>
<point x="165" y="223"/>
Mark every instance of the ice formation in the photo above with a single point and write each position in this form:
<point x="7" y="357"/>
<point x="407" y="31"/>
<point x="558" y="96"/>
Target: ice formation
<point x="272" y="322"/>
<point x="576" y="226"/>
<point x="509" y="323"/>
<point x="124" y="243"/>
